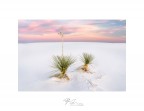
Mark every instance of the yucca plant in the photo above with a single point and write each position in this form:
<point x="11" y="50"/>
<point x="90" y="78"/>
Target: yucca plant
<point x="86" y="59"/>
<point x="62" y="63"/>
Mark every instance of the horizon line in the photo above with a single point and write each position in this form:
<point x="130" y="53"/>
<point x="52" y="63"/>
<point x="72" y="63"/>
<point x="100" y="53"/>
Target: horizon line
<point x="71" y="41"/>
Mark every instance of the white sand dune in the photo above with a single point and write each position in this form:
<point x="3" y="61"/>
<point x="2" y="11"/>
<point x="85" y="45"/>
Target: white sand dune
<point x="109" y="67"/>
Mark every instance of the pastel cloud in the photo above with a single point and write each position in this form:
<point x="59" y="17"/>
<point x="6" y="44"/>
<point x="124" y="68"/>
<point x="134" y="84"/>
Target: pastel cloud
<point x="74" y="30"/>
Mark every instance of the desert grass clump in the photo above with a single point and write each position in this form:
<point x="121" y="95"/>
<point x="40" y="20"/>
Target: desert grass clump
<point x="61" y="64"/>
<point x="86" y="59"/>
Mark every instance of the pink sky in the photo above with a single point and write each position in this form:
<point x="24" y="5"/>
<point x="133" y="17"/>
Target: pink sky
<point x="74" y="30"/>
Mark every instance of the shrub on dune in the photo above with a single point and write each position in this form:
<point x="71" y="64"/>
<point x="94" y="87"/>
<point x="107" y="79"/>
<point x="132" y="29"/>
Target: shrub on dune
<point x="61" y="64"/>
<point x="86" y="59"/>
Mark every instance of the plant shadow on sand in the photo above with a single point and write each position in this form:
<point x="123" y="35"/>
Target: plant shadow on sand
<point x="87" y="81"/>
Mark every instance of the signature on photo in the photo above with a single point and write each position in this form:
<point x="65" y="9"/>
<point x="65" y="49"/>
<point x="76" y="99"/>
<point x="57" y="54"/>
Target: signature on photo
<point x="72" y="102"/>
